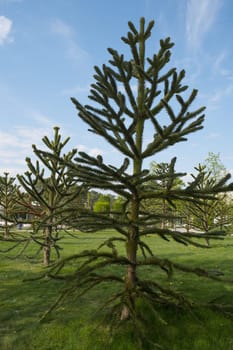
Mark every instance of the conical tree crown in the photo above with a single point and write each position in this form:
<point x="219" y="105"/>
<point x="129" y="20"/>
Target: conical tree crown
<point x="128" y="94"/>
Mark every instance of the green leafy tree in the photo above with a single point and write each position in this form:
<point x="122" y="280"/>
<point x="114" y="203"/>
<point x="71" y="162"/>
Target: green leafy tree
<point x="214" y="165"/>
<point x="102" y="205"/>
<point x="51" y="191"/>
<point x="129" y="97"/>
<point x="118" y="206"/>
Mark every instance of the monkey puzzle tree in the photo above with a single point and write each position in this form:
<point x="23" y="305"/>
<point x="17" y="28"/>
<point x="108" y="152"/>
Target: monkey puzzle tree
<point x="133" y="97"/>
<point x="166" y="211"/>
<point x="50" y="191"/>
<point x="8" y="202"/>
<point x="215" y="166"/>
<point x="206" y="214"/>
<point x="202" y="214"/>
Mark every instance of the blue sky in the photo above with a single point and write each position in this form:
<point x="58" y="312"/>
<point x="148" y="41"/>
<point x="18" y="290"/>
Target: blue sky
<point x="48" y="49"/>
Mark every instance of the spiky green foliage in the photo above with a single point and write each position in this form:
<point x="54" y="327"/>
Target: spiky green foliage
<point x="50" y="191"/>
<point x="166" y="211"/>
<point x="206" y="214"/>
<point x="8" y="202"/>
<point x="224" y="210"/>
<point x="122" y="117"/>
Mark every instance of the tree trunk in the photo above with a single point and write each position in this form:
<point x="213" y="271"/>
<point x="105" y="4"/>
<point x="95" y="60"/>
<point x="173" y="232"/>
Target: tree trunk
<point x="207" y="240"/>
<point x="6" y="229"/>
<point x="46" y="255"/>
<point x="47" y="246"/>
<point x="133" y="233"/>
<point x="130" y="278"/>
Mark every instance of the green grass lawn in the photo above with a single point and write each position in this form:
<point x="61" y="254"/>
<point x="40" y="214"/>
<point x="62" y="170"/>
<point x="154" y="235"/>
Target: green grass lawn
<point x="76" y="325"/>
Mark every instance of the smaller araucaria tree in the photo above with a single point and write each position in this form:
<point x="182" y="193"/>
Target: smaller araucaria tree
<point x="51" y="191"/>
<point x="224" y="210"/>
<point x="202" y="214"/>
<point x="8" y="202"/>
<point x="162" y="207"/>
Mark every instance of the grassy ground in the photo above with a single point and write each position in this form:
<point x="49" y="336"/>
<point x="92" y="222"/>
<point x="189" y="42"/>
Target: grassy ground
<point x="73" y="326"/>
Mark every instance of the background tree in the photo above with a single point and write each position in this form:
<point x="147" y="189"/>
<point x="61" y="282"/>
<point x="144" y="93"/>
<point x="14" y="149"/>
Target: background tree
<point x="51" y="191"/>
<point x="208" y="215"/>
<point x="118" y="207"/>
<point x="8" y="202"/>
<point x="214" y="165"/>
<point x="202" y="215"/>
<point x="224" y="213"/>
<point x="120" y="115"/>
<point x="224" y="208"/>
<point x="92" y="197"/>
<point x="165" y="210"/>
<point x="102" y="205"/>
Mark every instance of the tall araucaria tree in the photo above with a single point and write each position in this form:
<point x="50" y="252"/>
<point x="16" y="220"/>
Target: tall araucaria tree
<point x="51" y="191"/>
<point x="135" y="98"/>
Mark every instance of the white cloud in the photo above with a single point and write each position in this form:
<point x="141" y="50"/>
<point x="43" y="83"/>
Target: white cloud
<point x="192" y="66"/>
<point x="28" y="136"/>
<point x="5" y="30"/>
<point x="219" y="61"/>
<point x="213" y="135"/>
<point x="91" y="151"/>
<point x="228" y="158"/>
<point x="62" y="29"/>
<point x="13" y="150"/>
<point x="217" y="96"/>
<point x="76" y="90"/>
<point x="42" y="119"/>
<point x="8" y="139"/>
<point x="66" y="32"/>
<point x="200" y="17"/>
<point x="16" y="145"/>
<point x="219" y="66"/>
